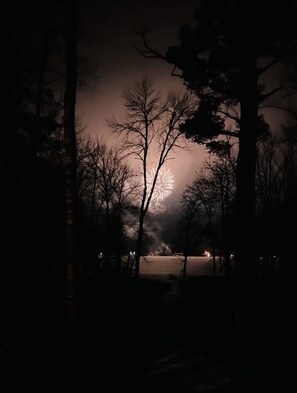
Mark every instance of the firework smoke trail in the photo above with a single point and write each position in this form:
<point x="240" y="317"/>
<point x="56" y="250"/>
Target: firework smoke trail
<point x="163" y="188"/>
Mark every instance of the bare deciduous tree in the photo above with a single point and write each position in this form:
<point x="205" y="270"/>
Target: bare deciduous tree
<point x="191" y="211"/>
<point x="213" y="190"/>
<point x="150" y="132"/>
<point x="106" y="185"/>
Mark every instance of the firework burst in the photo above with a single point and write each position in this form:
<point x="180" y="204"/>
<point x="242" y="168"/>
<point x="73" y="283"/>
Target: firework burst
<point x="163" y="188"/>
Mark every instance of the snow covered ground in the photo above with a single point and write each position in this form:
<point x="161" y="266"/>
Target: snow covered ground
<point x="165" y="265"/>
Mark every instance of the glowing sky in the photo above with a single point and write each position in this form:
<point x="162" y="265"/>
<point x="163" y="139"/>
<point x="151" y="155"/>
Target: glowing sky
<point x="108" y="36"/>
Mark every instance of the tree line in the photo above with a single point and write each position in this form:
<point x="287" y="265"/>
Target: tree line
<point x="229" y="58"/>
<point x="63" y="191"/>
<point x="209" y="202"/>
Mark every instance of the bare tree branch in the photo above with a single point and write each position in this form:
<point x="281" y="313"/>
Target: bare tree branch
<point x="148" y="51"/>
<point x="263" y="97"/>
<point x="262" y="70"/>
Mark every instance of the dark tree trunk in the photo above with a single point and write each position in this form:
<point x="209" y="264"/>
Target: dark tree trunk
<point x="186" y="251"/>
<point x="40" y="86"/>
<point x="93" y="202"/>
<point x="119" y="238"/>
<point x="245" y="255"/>
<point x="213" y="250"/>
<point x="70" y="164"/>
<point x="139" y="243"/>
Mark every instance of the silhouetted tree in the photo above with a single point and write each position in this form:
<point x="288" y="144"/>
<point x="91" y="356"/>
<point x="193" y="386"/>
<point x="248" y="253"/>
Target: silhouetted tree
<point x="191" y="205"/>
<point x="89" y="154"/>
<point x="29" y="141"/>
<point x="70" y="164"/>
<point x="202" y="192"/>
<point x="218" y="61"/>
<point x="221" y="179"/>
<point x="126" y="189"/>
<point x="150" y="133"/>
<point x="275" y="179"/>
<point x="214" y="188"/>
<point x="107" y="186"/>
<point x="226" y="66"/>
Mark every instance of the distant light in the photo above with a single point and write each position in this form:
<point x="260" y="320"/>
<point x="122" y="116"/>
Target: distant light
<point x="207" y="254"/>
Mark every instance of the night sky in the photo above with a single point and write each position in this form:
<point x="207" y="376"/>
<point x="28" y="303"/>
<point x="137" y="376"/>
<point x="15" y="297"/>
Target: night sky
<point x="106" y="46"/>
<point x="107" y="32"/>
<point x="107" y="42"/>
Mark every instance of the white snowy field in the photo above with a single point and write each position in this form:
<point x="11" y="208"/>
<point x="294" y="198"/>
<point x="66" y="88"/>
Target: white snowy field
<point x="165" y="265"/>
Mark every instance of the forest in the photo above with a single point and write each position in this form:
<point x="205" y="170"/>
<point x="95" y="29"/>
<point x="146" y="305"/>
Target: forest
<point x="79" y="213"/>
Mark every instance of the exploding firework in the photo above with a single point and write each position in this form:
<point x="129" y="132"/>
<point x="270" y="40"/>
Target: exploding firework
<point x="163" y="187"/>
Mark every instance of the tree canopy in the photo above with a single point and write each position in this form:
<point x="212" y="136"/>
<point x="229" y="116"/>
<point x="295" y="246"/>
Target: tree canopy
<point x="211" y="58"/>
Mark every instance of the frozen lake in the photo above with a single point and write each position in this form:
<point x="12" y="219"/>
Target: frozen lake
<point x="165" y="265"/>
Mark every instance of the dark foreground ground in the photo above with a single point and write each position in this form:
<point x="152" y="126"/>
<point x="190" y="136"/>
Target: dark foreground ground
<point x="151" y="335"/>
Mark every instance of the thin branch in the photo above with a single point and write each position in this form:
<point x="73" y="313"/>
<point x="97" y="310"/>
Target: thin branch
<point x="227" y="114"/>
<point x="282" y="108"/>
<point x="276" y="60"/>
<point x="263" y="97"/>
<point x="176" y="75"/>
<point x="230" y="133"/>
<point x="148" y="51"/>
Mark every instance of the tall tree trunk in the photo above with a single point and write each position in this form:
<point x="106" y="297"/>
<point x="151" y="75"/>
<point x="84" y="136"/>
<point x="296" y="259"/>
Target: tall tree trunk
<point x="186" y="251"/>
<point x="70" y="165"/>
<point x="107" y="233"/>
<point x="93" y="202"/>
<point x="213" y="249"/>
<point x="139" y="243"/>
<point x="119" y="238"/>
<point x="225" y="248"/>
<point x="40" y="85"/>
<point x="245" y="253"/>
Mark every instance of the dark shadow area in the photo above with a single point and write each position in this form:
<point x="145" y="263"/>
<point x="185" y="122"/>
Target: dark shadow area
<point x="140" y="335"/>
